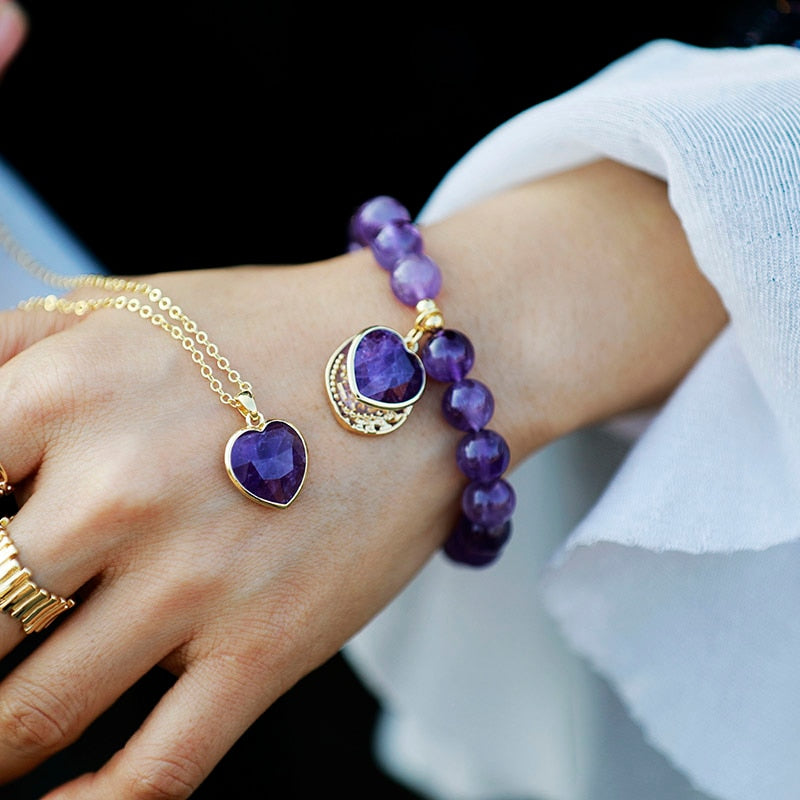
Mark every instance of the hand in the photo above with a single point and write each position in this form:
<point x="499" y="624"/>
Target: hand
<point x="13" y="30"/>
<point x="115" y="443"/>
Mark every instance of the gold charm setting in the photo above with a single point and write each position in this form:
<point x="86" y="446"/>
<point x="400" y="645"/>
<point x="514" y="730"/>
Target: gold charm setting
<point x="373" y="380"/>
<point x="268" y="463"/>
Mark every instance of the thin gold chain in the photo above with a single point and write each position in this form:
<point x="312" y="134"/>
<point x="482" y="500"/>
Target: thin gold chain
<point x="156" y="308"/>
<point x="19" y="254"/>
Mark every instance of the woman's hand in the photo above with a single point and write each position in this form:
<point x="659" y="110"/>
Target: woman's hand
<point x="582" y="300"/>
<point x="111" y="423"/>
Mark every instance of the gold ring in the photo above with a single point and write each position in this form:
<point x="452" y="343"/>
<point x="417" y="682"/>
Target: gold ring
<point x="20" y="597"/>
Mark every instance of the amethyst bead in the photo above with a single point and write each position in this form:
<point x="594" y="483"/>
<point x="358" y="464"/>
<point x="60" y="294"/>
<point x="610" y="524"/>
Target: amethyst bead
<point x="394" y="241"/>
<point x="371" y="216"/>
<point x="483" y="455"/>
<point x="476" y="545"/>
<point x="467" y="405"/>
<point x="448" y="356"/>
<point x="415" y="277"/>
<point x="488" y="504"/>
<point x="384" y="371"/>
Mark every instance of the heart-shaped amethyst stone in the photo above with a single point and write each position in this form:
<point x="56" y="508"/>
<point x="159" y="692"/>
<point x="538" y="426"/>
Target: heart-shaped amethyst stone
<point x="268" y="465"/>
<point x="383" y="370"/>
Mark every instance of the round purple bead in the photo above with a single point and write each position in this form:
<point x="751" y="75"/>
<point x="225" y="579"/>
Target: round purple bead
<point x="488" y="504"/>
<point x="394" y="241"/>
<point x="371" y="216"/>
<point x="416" y="277"/>
<point x="483" y="455"/>
<point x="467" y="405"/>
<point x="476" y="545"/>
<point x="448" y="356"/>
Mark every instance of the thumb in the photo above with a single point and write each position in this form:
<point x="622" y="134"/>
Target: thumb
<point x="13" y="30"/>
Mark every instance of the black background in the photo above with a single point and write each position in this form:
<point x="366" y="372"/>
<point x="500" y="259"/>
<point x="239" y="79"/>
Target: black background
<point x="180" y="135"/>
<point x="188" y="134"/>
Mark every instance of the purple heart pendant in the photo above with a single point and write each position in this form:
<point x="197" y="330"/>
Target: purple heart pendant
<point x="383" y="371"/>
<point x="268" y="464"/>
<point x="373" y="380"/>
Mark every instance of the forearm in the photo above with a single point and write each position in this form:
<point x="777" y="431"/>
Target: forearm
<point x="579" y="292"/>
<point x="583" y="294"/>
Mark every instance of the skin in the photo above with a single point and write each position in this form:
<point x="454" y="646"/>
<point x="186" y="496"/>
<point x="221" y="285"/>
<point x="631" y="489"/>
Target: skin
<point x="583" y="301"/>
<point x="13" y="30"/>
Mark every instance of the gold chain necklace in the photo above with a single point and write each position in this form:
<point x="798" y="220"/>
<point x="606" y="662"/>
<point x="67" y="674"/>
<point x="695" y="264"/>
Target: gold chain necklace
<point x="268" y="459"/>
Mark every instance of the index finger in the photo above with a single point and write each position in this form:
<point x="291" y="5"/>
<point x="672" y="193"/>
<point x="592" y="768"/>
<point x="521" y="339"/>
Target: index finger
<point x="182" y="740"/>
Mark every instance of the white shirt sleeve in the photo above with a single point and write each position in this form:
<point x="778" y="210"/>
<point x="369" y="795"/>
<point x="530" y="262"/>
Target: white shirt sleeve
<point x="640" y="635"/>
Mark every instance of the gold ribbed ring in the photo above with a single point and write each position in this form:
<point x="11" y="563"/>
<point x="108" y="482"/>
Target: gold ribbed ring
<point x="20" y="596"/>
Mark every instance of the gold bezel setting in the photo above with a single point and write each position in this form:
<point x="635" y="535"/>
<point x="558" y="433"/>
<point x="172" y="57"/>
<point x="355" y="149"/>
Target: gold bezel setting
<point x="263" y="429"/>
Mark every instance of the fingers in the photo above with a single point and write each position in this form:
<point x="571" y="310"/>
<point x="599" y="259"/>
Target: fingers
<point x="78" y="672"/>
<point x="51" y="564"/>
<point x="183" y="739"/>
<point x="31" y="395"/>
<point x="83" y="517"/>
<point x="20" y="329"/>
<point x="13" y="29"/>
<point x="37" y="391"/>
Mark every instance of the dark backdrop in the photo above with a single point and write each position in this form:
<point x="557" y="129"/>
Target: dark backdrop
<point x="195" y="133"/>
<point x="180" y="135"/>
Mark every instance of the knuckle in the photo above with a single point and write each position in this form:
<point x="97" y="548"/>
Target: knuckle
<point x="33" y="718"/>
<point x="38" y="389"/>
<point x="107" y="505"/>
<point x="17" y="406"/>
<point x="11" y="341"/>
<point x="118" y="490"/>
<point x="173" y="776"/>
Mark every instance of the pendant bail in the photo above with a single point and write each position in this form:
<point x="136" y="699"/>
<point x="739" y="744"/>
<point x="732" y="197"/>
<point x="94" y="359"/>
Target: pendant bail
<point x="246" y="406"/>
<point x="429" y="319"/>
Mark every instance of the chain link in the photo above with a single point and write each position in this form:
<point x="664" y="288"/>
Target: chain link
<point x="154" y="307"/>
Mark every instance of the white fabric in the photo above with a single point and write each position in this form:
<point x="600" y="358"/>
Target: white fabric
<point x="640" y="636"/>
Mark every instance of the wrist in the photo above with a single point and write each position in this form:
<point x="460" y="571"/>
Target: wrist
<point x="581" y="295"/>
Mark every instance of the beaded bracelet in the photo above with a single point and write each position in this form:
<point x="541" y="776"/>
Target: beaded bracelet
<point x="375" y="377"/>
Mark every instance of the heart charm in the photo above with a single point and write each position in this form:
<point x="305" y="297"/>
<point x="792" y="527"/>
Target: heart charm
<point x="373" y="381"/>
<point x="383" y="371"/>
<point x="269" y="463"/>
